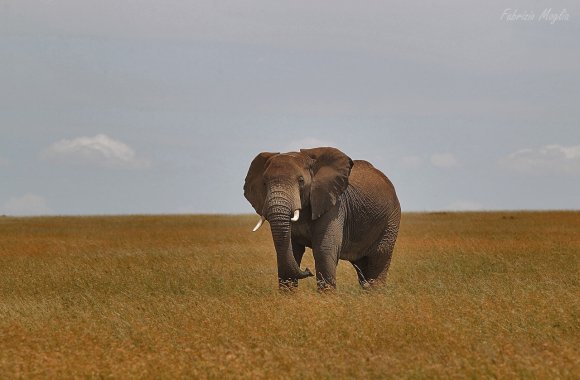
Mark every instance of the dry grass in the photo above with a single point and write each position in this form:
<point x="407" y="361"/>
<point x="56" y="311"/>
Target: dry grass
<point x="473" y="295"/>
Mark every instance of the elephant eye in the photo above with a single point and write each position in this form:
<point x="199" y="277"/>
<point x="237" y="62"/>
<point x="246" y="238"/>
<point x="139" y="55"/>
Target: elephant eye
<point x="301" y="179"/>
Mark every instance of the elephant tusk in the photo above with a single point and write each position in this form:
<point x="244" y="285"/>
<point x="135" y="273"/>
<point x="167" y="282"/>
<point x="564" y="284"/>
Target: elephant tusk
<point x="259" y="224"/>
<point x="296" y="215"/>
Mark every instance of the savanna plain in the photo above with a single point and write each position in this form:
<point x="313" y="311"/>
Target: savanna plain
<point x="468" y="295"/>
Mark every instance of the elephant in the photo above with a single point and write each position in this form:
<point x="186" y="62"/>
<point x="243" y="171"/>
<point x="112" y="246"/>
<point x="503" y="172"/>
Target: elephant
<point x="321" y="199"/>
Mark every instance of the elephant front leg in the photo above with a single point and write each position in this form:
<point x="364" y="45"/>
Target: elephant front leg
<point x="327" y="242"/>
<point x="326" y="253"/>
<point x="326" y="261"/>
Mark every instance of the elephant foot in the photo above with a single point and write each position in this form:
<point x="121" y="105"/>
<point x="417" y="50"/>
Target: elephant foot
<point x="371" y="284"/>
<point x="287" y="285"/>
<point x="365" y="285"/>
<point x="325" y="288"/>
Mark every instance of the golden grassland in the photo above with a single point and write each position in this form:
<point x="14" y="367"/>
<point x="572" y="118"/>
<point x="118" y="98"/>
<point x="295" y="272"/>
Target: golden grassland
<point x="469" y="295"/>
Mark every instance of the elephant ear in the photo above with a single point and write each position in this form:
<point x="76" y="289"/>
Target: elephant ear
<point x="254" y="187"/>
<point x="330" y="171"/>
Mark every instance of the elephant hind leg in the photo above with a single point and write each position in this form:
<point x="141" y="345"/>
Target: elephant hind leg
<point x="372" y="269"/>
<point x="360" y="266"/>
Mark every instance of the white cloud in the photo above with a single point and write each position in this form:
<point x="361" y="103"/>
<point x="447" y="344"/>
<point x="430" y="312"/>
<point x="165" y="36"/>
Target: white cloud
<point x="546" y="159"/>
<point x="444" y="160"/>
<point x="412" y="162"/>
<point x="463" y="205"/>
<point x="27" y="204"/>
<point x="308" y="142"/>
<point x="100" y="150"/>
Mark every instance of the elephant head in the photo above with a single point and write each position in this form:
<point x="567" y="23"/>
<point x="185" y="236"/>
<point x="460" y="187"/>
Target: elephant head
<point x="280" y="186"/>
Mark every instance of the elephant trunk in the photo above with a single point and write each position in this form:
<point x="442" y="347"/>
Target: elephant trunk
<point x="279" y="212"/>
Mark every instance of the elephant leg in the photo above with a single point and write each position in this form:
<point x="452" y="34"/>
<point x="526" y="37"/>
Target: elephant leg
<point x="298" y="251"/>
<point x="326" y="263"/>
<point x="371" y="270"/>
<point x="327" y="239"/>
<point x="326" y="255"/>
<point x="379" y="260"/>
<point x="361" y="268"/>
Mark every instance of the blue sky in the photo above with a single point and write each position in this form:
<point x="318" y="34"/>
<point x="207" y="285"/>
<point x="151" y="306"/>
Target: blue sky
<point x="115" y="107"/>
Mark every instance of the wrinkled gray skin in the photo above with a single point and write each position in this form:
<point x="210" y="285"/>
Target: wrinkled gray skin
<point x="348" y="210"/>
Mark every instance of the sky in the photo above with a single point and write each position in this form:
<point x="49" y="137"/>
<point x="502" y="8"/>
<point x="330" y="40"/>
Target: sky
<point x="148" y="107"/>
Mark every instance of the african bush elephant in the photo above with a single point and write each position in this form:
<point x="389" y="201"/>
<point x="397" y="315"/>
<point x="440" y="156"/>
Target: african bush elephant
<point x="320" y="198"/>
